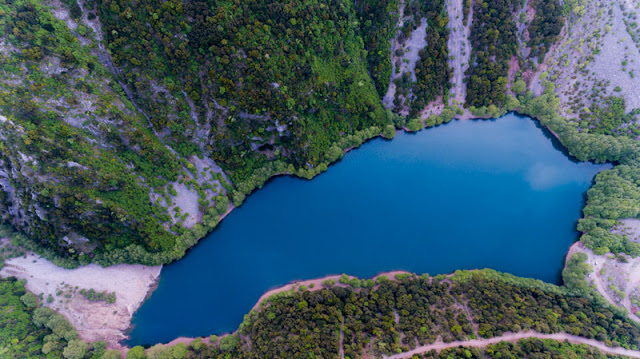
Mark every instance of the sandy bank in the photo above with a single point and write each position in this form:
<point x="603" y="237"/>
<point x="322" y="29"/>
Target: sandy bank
<point x="93" y="320"/>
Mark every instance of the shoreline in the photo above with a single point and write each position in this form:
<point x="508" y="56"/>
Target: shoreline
<point x="293" y="285"/>
<point x="317" y="284"/>
<point x="115" y="342"/>
<point x="60" y="290"/>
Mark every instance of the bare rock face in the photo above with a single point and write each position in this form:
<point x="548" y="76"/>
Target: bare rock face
<point x="595" y="57"/>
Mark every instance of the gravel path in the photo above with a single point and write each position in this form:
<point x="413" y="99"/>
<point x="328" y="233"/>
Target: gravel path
<point x="459" y="48"/>
<point x="511" y="337"/>
<point x="629" y="275"/>
<point x="411" y="48"/>
<point x="391" y="90"/>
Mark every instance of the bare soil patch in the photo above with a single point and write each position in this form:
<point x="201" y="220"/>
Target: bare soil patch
<point x="94" y="320"/>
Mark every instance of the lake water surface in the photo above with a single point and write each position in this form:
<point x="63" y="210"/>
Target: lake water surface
<point x="471" y="194"/>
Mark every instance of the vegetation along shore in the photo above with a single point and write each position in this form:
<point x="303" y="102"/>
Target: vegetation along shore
<point x="130" y="130"/>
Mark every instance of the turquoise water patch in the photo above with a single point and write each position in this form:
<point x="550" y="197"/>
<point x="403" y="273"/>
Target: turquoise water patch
<point x="471" y="194"/>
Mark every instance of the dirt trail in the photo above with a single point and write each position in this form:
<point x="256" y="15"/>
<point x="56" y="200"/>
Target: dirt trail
<point x="410" y="49"/>
<point x="479" y="343"/>
<point x="459" y="47"/>
<point x="391" y="90"/>
<point x="601" y="266"/>
<point x="341" y="351"/>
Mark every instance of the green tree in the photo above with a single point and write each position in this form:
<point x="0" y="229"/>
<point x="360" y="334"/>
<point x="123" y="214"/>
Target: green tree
<point x="389" y="131"/>
<point x="179" y="351"/>
<point x="213" y="339"/>
<point x="197" y="345"/>
<point x="229" y="342"/>
<point x="111" y="354"/>
<point x="76" y="349"/>
<point x="519" y="87"/>
<point x="159" y="351"/>
<point x="136" y="352"/>
<point x="30" y="300"/>
<point x="574" y="274"/>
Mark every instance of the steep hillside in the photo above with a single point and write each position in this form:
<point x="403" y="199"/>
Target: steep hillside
<point x="245" y="82"/>
<point x="78" y="162"/>
<point x="130" y="128"/>
<point x="108" y="155"/>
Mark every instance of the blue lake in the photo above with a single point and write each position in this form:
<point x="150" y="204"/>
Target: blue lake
<point x="470" y="194"/>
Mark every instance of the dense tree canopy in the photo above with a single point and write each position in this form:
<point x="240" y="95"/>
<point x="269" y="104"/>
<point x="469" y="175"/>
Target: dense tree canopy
<point x="392" y="316"/>
<point x="378" y="24"/>
<point x="545" y="26"/>
<point x="493" y="41"/>
<point x="433" y="73"/>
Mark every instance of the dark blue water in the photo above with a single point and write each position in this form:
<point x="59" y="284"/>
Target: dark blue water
<point x="471" y="194"/>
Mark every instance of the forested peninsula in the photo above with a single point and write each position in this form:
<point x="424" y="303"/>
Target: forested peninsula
<point x="129" y="130"/>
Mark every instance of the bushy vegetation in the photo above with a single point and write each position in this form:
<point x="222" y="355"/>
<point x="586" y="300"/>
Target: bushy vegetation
<point x="30" y="331"/>
<point x="615" y="195"/>
<point x="378" y="20"/>
<point x="94" y="296"/>
<point x="231" y="72"/>
<point x="545" y="27"/>
<point x="335" y="152"/>
<point x="610" y="118"/>
<point x="397" y="315"/>
<point x="433" y="74"/>
<point x="615" y="192"/>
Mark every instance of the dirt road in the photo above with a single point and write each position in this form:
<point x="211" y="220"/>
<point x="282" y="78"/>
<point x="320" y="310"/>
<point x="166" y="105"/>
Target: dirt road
<point x="479" y="343"/>
<point x="459" y="48"/>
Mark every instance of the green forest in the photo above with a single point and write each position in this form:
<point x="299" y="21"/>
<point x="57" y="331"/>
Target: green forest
<point x="378" y="24"/>
<point x="389" y="315"/>
<point x="493" y="41"/>
<point x="102" y="126"/>
<point x="394" y="315"/>
<point x="433" y="74"/>
<point x="236" y="68"/>
<point x="545" y="27"/>
<point x="28" y="330"/>
<point x="99" y="127"/>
